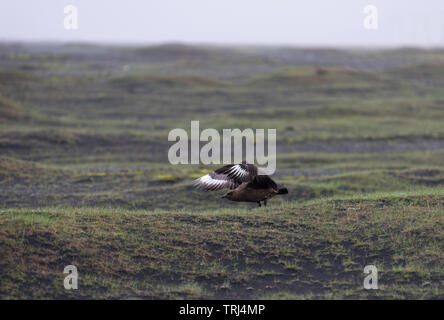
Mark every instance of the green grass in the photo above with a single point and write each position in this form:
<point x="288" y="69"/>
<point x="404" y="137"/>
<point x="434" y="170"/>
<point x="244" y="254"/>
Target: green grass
<point x="317" y="250"/>
<point x="85" y="179"/>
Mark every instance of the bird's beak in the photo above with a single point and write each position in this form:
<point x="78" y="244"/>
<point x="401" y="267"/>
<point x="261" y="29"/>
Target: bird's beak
<point x="224" y="196"/>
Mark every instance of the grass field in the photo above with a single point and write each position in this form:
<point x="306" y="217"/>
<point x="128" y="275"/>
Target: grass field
<point x="85" y="178"/>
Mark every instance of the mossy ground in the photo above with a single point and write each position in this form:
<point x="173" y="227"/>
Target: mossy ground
<point x="317" y="250"/>
<point x="85" y="179"/>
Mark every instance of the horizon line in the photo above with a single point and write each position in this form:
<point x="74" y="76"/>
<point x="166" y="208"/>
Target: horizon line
<point x="214" y="44"/>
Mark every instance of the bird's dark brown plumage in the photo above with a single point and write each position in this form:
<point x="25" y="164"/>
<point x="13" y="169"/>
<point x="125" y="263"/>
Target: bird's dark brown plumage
<point x="243" y="180"/>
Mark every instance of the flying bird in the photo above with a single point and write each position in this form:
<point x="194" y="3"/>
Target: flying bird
<point x="244" y="181"/>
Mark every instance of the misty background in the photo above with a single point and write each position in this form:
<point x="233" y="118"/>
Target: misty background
<point x="281" y="22"/>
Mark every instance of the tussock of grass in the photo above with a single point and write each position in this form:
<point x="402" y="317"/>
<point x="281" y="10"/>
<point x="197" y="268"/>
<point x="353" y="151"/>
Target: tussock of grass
<point x="15" y="77"/>
<point x="15" y="167"/>
<point x="10" y="110"/>
<point x="142" y="82"/>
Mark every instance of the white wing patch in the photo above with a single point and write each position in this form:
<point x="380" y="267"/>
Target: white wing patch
<point x="229" y="176"/>
<point x="238" y="172"/>
<point x="208" y="183"/>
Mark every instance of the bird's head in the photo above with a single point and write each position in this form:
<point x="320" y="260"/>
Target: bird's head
<point x="228" y="195"/>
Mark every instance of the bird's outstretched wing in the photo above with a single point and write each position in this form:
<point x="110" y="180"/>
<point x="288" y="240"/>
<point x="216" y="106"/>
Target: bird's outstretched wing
<point x="229" y="176"/>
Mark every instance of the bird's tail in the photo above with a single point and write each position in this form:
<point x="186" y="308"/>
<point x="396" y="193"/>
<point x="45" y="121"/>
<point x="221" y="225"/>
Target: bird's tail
<point x="282" y="191"/>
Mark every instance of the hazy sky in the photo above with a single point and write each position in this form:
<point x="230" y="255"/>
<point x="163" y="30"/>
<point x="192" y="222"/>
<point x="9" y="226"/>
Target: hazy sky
<point x="292" y="22"/>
